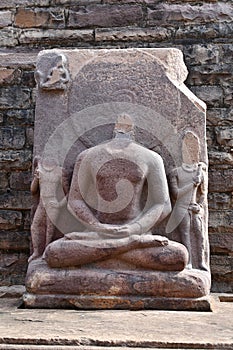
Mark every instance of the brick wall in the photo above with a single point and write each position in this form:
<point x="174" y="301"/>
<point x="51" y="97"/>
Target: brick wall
<point x="203" y="30"/>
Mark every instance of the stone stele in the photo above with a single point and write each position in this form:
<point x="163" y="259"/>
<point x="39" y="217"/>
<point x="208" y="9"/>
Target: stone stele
<point x="120" y="183"/>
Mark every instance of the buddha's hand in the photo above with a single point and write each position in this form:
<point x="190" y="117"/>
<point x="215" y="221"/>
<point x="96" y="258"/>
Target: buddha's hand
<point x="150" y="240"/>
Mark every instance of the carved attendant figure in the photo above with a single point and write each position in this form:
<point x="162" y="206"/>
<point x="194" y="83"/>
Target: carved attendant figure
<point x="106" y="195"/>
<point x="47" y="182"/>
<point x="188" y="190"/>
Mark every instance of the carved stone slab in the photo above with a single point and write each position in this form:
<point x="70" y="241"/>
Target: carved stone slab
<point x="81" y="95"/>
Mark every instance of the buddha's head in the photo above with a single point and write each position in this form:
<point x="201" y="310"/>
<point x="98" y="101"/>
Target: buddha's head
<point x="124" y="127"/>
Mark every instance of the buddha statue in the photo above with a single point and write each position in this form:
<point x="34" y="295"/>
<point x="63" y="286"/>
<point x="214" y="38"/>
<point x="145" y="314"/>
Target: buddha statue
<point x="119" y="192"/>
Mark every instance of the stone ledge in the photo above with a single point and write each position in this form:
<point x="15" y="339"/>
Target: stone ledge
<point x="97" y="330"/>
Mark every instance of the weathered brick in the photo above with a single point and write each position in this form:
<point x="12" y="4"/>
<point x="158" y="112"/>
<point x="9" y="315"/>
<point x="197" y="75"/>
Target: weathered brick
<point x="202" y="54"/>
<point x="220" y="116"/>
<point x="221" y="243"/>
<point x="220" y="180"/>
<point x="228" y="95"/>
<point x="20" y="180"/>
<point x="63" y="37"/>
<point x="222" y="265"/>
<point x="13" y="199"/>
<point x="14" y="240"/>
<point x="19" y="60"/>
<point x="27" y="220"/>
<point x="18" y="117"/>
<point x="42" y="18"/>
<point x="205" y="13"/>
<point x="133" y="34"/>
<point x="225" y="136"/>
<point x="222" y="286"/>
<point x="9" y="76"/>
<point x="105" y="16"/>
<point x="14" y="97"/>
<point x="29" y="136"/>
<point x="13" y="268"/>
<point x="69" y="3"/>
<point x="12" y="138"/>
<point x="3" y="180"/>
<point x="211" y="95"/>
<point x="227" y="53"/>
<point x="220" y="200"/>
<point x="188" y="33"/>
<point x="10" y="219"/>
<point x="5" y="18"/>
<point x="8" y="37"/>
<point x="221" y="221"/>
<point x="216" y="74"/>
<point x="14" y="3"/>
<point x="10" y="160"/>
<point x="220" y="158"/>
<point x="28" y="79"/>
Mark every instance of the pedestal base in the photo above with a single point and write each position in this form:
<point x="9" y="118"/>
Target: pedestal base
<point x="95" y="288"/>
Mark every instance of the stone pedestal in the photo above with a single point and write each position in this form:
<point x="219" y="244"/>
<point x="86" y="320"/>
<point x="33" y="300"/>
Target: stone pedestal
<point x="100" y="288"/>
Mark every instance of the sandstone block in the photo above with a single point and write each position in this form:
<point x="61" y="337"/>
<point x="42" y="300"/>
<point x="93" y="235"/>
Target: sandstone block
<point x="105" y="16"/>
<point x="225" y="136"/>
<point x="18" y="117"/>
<point x="133" y="34"/>
<point x="30" y="18"/>
<point x="10" y="160"/>
<point x="219" y="222"/>
<point x="227" y="52"/>
<point x="222" y="265"/>
<point x="27" y="220"/>
<point x="3" y="180"/>
<point x="220" y="158"/>
<point x="8" y="37"/>
<point x="228" y="92"/>
<point x="20" y="180"/>
<point x="28" y="79"/>
<point x="20" y="60"/>
<point x="13" y="268"/>
<point x="9" y="76"/>
<point x="12" y="138"/>
<point x="14" y="3"/>
<point x="14" y="97"/>
<point x="55" y="36"/>
<point x="29" y="136"/>
<point x="220" y="200"/>
<point x="14" y="240"/>
<point x="15" y="291"/>
<point x="15" y="199"/>
<point x="10" y="219"/>
<point x="5" y="18"/>
<point x="221" y="243"/>
<point x="220" y="116"/>
<point x="202" y="54"/>
<point x="166" y="13"/>
<point x="69" y="3"/>
<point x="203" y="31"/>
<point x="220" y="180"/>
<point x="212" y="95"/>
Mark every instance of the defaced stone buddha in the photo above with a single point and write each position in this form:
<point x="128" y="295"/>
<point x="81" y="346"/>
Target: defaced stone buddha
<point x="107" y="195"/>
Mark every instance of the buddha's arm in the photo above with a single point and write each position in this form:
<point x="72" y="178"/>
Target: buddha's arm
<point x="158" y="204"/>
<point x="76" y="203"/>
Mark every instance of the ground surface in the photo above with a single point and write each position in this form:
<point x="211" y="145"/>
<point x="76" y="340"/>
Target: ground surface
<point x="71" y="329"/>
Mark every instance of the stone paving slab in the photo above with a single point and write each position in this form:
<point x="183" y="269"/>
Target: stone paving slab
<point x="94" y="330"/>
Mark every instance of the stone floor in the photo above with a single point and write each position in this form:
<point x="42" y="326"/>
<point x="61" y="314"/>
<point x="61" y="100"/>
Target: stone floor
<point x="116" y="330"/>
